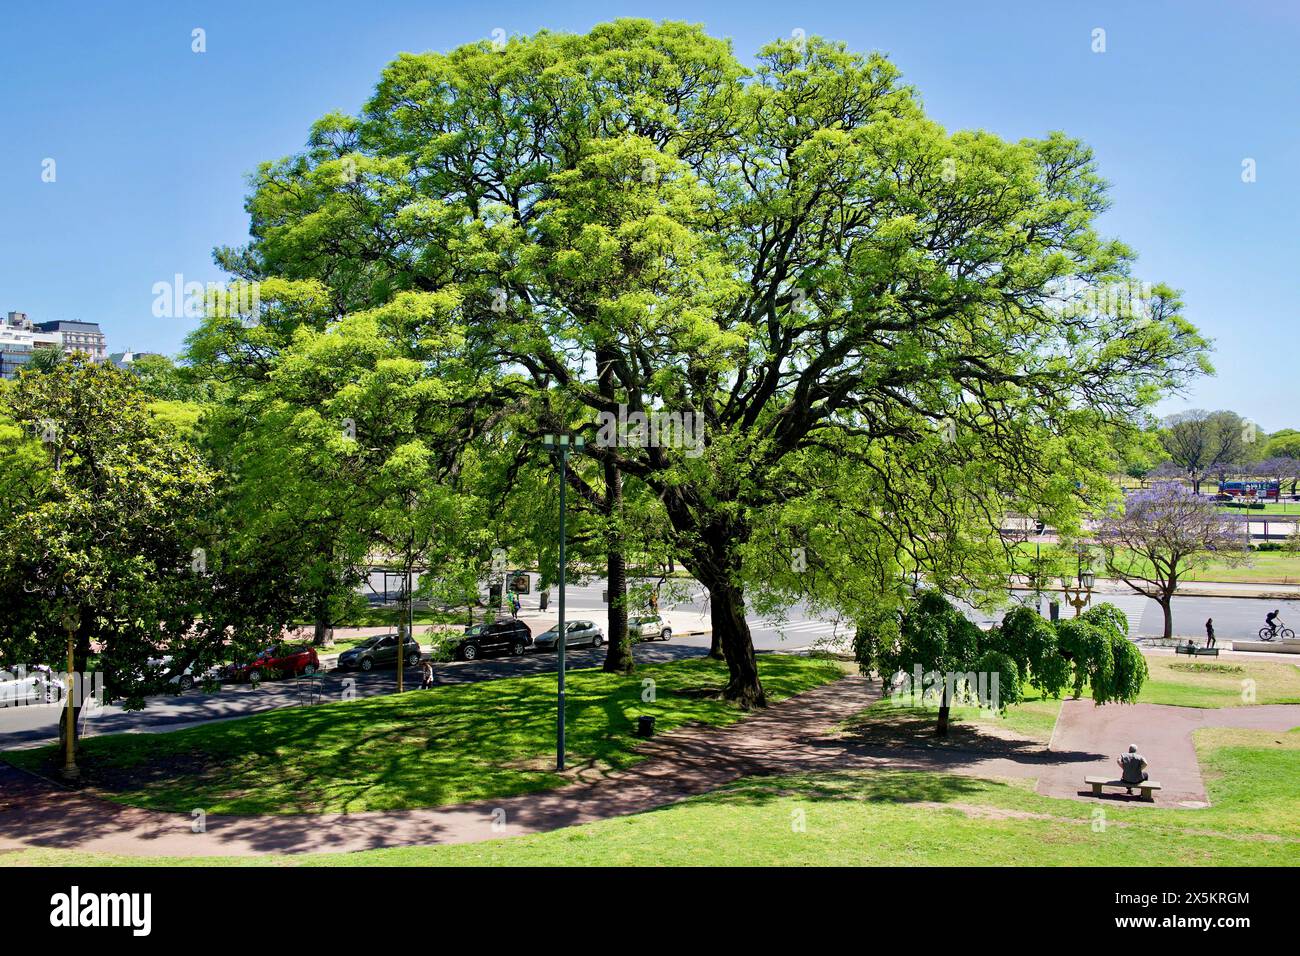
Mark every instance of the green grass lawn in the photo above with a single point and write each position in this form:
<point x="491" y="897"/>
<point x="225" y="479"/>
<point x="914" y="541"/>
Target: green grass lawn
<point x="1199" y="683"/>
<point x="1034" y="718"/>
<point x="1175" y="681"/>
<point x="1270" y="508"/>
<point x="449" y="745"/>
<point x="1261" y="567"/>
<point x="883" y="818"/>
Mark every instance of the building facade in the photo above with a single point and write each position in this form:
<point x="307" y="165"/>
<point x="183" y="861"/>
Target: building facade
<point x="77" y="337"/>
<point x="20" y="337"/>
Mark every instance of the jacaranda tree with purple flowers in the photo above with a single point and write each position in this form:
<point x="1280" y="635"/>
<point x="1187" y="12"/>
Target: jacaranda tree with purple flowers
<point x="1164" y="533"/>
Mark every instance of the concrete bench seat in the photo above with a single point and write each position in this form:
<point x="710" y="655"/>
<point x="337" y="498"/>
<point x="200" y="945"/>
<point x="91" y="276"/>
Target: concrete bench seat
<point x="1148" y="787"/>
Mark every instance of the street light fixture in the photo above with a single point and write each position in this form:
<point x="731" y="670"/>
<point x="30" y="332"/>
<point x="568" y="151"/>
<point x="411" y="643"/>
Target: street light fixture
<point x="1080" y="596"/>
<point x="561" y="446"/>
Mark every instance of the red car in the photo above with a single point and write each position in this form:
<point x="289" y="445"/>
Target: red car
<point x="275" y="661"/>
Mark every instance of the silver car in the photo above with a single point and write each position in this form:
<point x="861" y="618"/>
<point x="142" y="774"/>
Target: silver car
<point x="649" y="628"/>
<point x="580" y="634"/>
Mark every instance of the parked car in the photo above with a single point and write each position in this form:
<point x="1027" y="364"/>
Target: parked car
<point x="186" y="678"/>
<point x="378" y="650"/>
<point x="509" y="635"/>
<point x="276" y="660"/>
<point x="580" y="634"/>
<point x="648" y="628"/>
<point x="38" y="686"/>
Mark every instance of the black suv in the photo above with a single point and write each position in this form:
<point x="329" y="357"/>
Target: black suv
<point x="509" y="635"/>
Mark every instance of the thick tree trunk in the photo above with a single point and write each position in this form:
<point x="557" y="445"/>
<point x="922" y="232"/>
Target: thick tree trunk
<point x="714" y="560"/>
<point x="321" y="623"/>
<point x="618" y="658"/>
<point x="731" y="632"/>
<point x="945" y="706"/>
<point x="716" y="650"/>
<point x="1166" y="606"/>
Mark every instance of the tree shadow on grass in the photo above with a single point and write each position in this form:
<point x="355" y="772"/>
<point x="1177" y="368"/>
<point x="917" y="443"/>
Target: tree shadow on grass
<point x="877" y="786"/>
<point x="886" y="732"/>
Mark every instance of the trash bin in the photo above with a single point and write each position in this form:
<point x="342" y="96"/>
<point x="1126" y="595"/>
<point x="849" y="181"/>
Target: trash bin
<point x="645" y="726"/>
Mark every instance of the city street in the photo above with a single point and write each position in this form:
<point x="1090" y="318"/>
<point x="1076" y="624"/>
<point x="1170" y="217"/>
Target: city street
<point x="1235" y="618"/>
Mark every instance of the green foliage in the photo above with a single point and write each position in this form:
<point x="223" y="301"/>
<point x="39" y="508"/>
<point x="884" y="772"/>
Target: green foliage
<point x="1087" y="647"/>
<point x="104" y="534"/>
<point x="1010" y="686"/>
<point x="1284" y="443"/>
<point x="1108" y="617"/>
<point x="1092" y="650"/>
<point x="44" y="360"/>
<point x="1128" y="674"/>
<point x="606" y="207"/>
<point x="931" y="634"/>
<point x="1102" y="656"/>
<point x="1032" y="643"/>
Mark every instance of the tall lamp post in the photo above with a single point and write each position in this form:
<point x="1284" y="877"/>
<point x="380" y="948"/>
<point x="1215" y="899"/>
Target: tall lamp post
<point x="560" y="446"/>
<point x="71" y="622"/>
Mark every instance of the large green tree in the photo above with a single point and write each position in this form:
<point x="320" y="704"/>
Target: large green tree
<point x="793" y="257"/>
<point x="1202" y="443"/>
<point x="106" y="529"/>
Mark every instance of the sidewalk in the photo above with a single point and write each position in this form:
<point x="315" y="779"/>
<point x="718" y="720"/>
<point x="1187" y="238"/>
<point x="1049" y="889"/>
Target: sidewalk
<point x="1230" y="589"/>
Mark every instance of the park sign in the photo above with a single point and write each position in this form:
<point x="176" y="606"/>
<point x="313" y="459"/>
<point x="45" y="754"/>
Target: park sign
<point x="1268" y="490"/>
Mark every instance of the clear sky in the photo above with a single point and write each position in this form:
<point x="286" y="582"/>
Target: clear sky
<point x="151" y="142"/>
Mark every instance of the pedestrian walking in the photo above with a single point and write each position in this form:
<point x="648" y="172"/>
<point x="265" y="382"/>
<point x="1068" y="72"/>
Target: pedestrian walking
<point x="1209" y="632"/>
<point x="426" y="675"/>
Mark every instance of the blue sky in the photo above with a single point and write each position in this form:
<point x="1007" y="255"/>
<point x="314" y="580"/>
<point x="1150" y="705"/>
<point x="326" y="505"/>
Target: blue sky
<point x="152" y="142"/>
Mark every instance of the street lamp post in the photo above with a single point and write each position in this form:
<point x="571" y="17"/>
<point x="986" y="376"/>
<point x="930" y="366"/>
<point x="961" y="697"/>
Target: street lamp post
<point x="560" y="447"/>
<point x="1080" y="596"/>
<point x="71" y="622"/>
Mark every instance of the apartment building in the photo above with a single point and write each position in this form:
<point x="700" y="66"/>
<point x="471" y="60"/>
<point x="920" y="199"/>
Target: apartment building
<point x="77" y="337"/>
<point x="20" y="337"/>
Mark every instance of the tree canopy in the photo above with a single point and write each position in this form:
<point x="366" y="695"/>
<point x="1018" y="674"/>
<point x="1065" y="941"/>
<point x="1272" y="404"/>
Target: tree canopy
<point x="885" y="330"/>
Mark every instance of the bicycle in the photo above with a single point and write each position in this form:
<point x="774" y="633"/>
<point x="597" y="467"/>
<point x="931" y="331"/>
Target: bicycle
<point x="1267" y="633"/>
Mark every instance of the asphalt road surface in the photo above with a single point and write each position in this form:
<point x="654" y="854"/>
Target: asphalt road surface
<point x="1234" y="618"/>
<point x="34" y="725"/>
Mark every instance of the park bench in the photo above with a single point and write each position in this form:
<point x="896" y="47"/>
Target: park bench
<point x="1196" y="651"/>
<point x="1148" y="787"/>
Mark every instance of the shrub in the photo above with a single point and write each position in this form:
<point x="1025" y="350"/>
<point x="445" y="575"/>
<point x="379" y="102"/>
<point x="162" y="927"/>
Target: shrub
<point x="1032" y="643"/>
<point x="1108" y="617"/>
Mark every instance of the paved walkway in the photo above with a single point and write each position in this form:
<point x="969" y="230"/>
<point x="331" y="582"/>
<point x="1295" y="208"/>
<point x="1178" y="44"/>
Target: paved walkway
<point x="1163" y="735"/>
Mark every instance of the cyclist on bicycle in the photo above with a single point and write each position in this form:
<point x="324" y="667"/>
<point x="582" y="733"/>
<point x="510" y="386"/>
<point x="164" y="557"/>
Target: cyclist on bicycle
<point x="1272" y="621"/>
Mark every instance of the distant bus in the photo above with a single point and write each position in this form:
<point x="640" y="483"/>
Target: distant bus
<point x="1258" y="490"/>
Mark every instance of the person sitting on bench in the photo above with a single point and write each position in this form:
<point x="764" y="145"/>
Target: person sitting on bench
<point x="1133" y="767"/>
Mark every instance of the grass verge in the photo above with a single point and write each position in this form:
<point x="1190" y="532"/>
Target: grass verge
<point x="448" y="745"/>
<point x="883" y="818"/>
